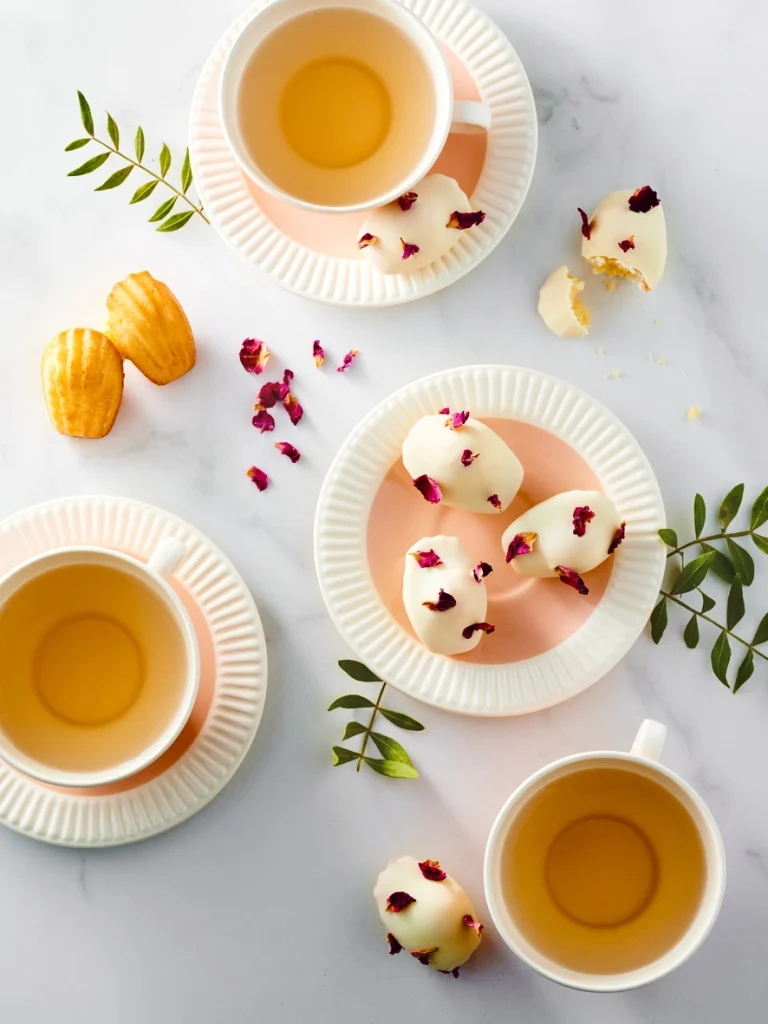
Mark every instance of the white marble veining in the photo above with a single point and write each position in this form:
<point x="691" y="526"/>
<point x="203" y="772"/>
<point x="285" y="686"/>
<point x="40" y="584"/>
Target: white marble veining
<point x="259" y="909"/>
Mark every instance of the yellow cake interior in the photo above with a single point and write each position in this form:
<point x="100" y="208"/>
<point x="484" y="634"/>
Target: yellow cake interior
<point x="580" y="311"/>
<point x="615" y="268"/>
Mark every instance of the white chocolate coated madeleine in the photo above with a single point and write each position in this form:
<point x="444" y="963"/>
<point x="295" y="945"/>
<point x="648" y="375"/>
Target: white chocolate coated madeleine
<point x="426" y="913"/>
<point x="474" y="469"/>
<point x="626" y="236"/>
<point x="418" y="228"/>
<point x="444" y="595"/>
<point x="560" y="307"/>
<point x="574" y="531"/>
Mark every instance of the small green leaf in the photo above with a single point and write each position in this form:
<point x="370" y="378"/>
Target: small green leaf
<point x="759" y="513"/>
<point x="115" y="179"/>
<point x="85" y="113"/>
<point x="659" y="620"/>
<point x="138" y="143"/>
<point x="77" y="144"/>
<point x="400" y="720"/>
<point x="165" y="160"/>
<point x="730" y="507"/>
<point x="699" y="514"/>
<point x="353" y="729"/>
<point x="735" y="612"/>
<point x="113" y="130"/>
<point x="691" y="634"/>
<point x="389" y="748"/>
<point x="721" y="657"/>
<point x="143" y="191"/>
<point x="761" y="635"/>
<point x="186" y="173"/>
<point x="743" y="562"/>
<point x="669" y="537"/>
<point x="721" y="564"/>
<point x="343" y="756"/>
<point x="90" y="165"/>
<point x="178" y="220"/>
<point x="746" y="668"/>
<point x="761" y="543"/>
<point x="394" y="769"/>
<point x="163" y="209"/>
<point x="351" y="700"/>
<point x="360" y="672"/>
<point x="693" y="574"/>
<point x="707" y="603"/>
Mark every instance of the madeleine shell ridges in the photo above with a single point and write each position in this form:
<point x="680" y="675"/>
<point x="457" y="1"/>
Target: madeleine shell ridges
<point x="83" y="382"/>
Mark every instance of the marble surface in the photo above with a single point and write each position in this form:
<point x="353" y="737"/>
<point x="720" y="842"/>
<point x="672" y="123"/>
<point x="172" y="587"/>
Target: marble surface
<point x="259" y="908"/>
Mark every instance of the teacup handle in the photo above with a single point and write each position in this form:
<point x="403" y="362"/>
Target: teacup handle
<point x="649" y="741"/>
<point x="166" y="556"/>
<point x="470" y="117"/>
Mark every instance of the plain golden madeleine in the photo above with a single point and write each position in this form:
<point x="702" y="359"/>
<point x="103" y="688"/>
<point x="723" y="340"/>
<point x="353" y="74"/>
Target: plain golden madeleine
<point x="83" y="382"/>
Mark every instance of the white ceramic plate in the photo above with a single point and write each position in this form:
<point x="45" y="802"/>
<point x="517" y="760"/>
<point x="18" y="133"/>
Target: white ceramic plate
<point x="454" y="684"/>
<point x="500" y="77"/>
<point x="69" y="818"/>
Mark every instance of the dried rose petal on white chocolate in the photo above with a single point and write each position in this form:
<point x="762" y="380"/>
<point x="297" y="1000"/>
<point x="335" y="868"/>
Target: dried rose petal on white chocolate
<point x="293" y="408"/>
<point x="470" y="922"/>
<point x="470" y="631"/>
<point x="258" y="476"/>
<point x="394" y="945"/>
<point x="618" y="537"/>
<point x="405" y="202"/>
<point x="318" y="353"/>
<point x="582" y="516"/>
<point x="428" y="488"/>
<point x="254" y="355"/>
<point x="399" y="901"/>
<point x="286" y="448"/>
<point x="423" y="955"/>
<point x="365" y="240"/>
<point x="431" y="869"/>
<point x="481" y="570"/>
<point x="468" y="457"/>
<point x="643" y="199"/>
<point x="458" y="420"/>
<point x="444" y="602"/>
<point x="521" y="544"/>
<point x="409" y="249"/>
<point x="571" y="579"/>
<point x="586" y="227"/>
<point x="462" y="221"/>
<point x="427" y="559"/>
<point x="347" y="360"/>
<point x="263" y="420"/>
<point x="454" y="972"/>
<point x="445" y="411"/>
<point x="494" y="500"/>
<point x="627" y="244"/>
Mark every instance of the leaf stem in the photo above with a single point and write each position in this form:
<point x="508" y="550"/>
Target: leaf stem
<point x="367" y="736"/>
<point x="738" y="639"/>
<point x="706" y="540"/>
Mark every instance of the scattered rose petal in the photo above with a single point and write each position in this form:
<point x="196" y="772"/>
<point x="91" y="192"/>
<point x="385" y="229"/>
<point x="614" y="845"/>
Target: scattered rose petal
<point x="444" y="602"/>
<point x="469" y="631"/>
<point x="586" y="227"/>
<point x="293" y="408"/>
<point x="432" y="871"/>
<point x="394" y="945"/>
<point x="618" y="537"/>
<point x="643" y="200"/>
<point x="275" y="391"/>
<point x="259" y="477"/>
<point x="399" y="901"/>
<point x="423" y="955"/>
<point x="318" y="353"/>
<point x="627" y="244"/>
<point x="254" y="355"/>
<point x="286" y="448"/>
<point x="468" y="457"/>
<point x="470" y="922"/>
<point x="427" y="559"/>
<point x="572" y="579"/>
<point x="444" y="411"/>
<point x="263" y="420"/>
<point x="494" y="500"/>
<point x="481" y="570"/>
<point x="347" y="360"/>
<point x="582" y="515"/>
<point x="454" y="972"/>
<point x="521" y="544"/>
<point x="457" y="421"/>
<point x="409" y="249"/>
<point x="366" y="240"/>
<point x="428" y="488"/>
<point x="462" y="221"/>
<point x="406" y="202"/>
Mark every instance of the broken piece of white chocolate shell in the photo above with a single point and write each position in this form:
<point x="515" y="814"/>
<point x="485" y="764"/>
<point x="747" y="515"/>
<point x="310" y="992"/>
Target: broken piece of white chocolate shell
<point x="627" y="237"/>
<point x="560" y="307"/>
<point x="474" y="468"/>
<point x="427" y="913"/>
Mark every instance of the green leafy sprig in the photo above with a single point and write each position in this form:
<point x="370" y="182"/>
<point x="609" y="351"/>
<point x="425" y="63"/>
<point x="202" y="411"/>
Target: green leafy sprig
<point x="734" y="565"/>
<point x="394" y="761"/>
<point x="163" y="216"/>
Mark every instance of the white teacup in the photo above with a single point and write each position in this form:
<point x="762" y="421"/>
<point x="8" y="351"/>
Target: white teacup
<point x="535" y="921"/>
<point x="100" y="664"/>
<point x="305" y="85"/>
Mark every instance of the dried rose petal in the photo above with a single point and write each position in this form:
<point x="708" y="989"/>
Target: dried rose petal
<point x="366" y="240"/>
<point x="432" y="871"/>
<point x="469" y="631"/>
<point x="409" y="249"/>
<point x="406" y="202"/>
<point x="462" y="221"/>
<point x="427" y="559"/>
<point x="286" y="448"/>
<point x="643" y="200"/>
<point x="481" y="570"/>
<point x="627" y="244"/>
<point x="586" y="227"/>
<point x="318" y="353"/>
<point x="293" y="408"/>
<point x="618" y="537"/>
<point x="428" y="488"/>
<point x="494" y="500"/>
<point x="468" y="457"/>
<point x="454" y="972"/>
<point x="444" y="411"/>
<point x="399" y="901"/>
<point x="442" y="604"/>
<point x="263" y="420"/>
<point x="423" y="955"/>
<point x="572" y="579"/>
<point x="254" y="355"/>
<point x="258" y="476"/>
<point x="394" y="945"/>
<point x="347" y="360"/>
<point x="457" y="420"/>
<point x="470" y="922"/>
<point x="582" y="515"/>
<point x="521" y="544"/>
<point x="275" y="391"/>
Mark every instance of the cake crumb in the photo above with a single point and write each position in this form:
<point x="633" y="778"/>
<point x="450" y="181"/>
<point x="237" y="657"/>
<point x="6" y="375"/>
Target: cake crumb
<point x="649" y="357"/>
<point x="693" y="413"/>
<point x="613" y="375"/>
<point x="609" y="284"/>
<point x="661" y="362"/>
<point x="600" y="351"/>
<point x="657" y="321"/>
